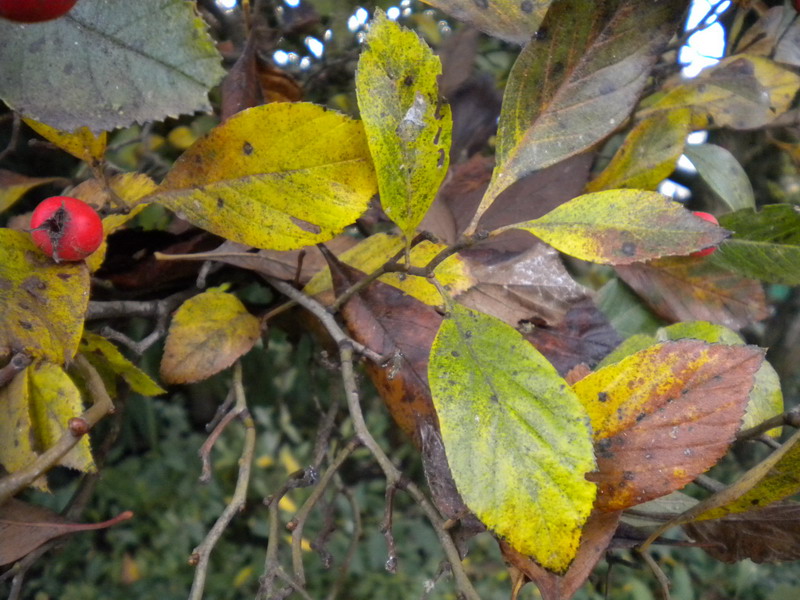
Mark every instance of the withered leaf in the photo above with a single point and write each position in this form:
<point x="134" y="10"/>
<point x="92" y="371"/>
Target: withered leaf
<point x="771" y="534"/>
<point x="664" y="415"/>
<point x="24" y="527"/>
<point x="688" y="288"/>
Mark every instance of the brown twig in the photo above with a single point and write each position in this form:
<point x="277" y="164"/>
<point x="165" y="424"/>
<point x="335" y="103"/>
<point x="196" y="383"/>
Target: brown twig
<point x="663" y="582"/>
<point x="790" y="418"/>
<point x="202" y="554"/>
<point x="386" y="529"/>
<point x="101" y="406"/>
<point x="19" y="362"/>
<point x="394" y="476"/>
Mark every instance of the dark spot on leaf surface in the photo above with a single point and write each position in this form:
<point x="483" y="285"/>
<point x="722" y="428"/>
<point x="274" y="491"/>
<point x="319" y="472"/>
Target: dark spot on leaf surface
<point x="483" y="4"/>
<point x="36" y="45"/>
<point x="629" y="248"/>
<point x="455" y="354"/>
<point x="408" y="81"/>
<point x="526" y="6"/>
<point x="602" y="397"/>
<point x="247" y="148"/>
<point x="64" y="276"/>
<point x="220" y="203"/>
<point x="755" y="502"/>
<point x="629" y="475"/>
<point x="542" y="34"/>
<point x="494" y="399"/>
<point x="306" y="226"/>
<point x="436" y="137"/>
<point x="640" y="416"/>
<point x="440" y="162"/>
<point x="25" y="325"/>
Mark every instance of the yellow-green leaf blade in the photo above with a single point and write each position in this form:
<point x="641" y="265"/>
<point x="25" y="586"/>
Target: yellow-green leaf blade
<point x="623" y="226"/>
<point x="408" y="127"/>
<point x="96" y="346"/>
<point x="576" y="82"/>
<point x="16" y="439"/>
<point x="14" y="186"/>
<point x="82" y="143"/>
<point x="54" y="400"/>
<point x="648" y="155"/>
<point x="42" y="304"/>
<point x="279" y="176"/>
<point x="208" y="333"/>
<point x="517" y="439"/>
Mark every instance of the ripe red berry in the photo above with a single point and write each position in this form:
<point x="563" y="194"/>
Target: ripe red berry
<point x="711" y="219"/>
<point x="34" y="11"/>
<point x="66" y="228"/>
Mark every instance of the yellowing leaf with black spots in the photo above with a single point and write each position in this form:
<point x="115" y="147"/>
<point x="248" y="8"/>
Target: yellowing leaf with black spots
<point x="510" y="20"/>
<point x="664" y="415"/>
<point x="17" y="445"/>
<point x="408" y="126"/>
<point x="648" y="155"/>
<point x="54" y="400"/>
<point x="82" y="144"/>
<point x="576" y="82"/>
<point x="42" y="304"/>
<point x="279" y="176"/>
<point x="208" y="333"/>
<point x="517" y="438"/>
<point x="98" y="349"/>
<point x="622" y="226"/>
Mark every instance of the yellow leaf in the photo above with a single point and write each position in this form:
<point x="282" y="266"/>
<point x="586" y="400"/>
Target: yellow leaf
<point x="82" y="144"/>
<point x="372" y="252"/>
<point x="14" y="186"/>
<point x="16" y="441"/>
<point x="208" y="333"/>
<point x="42" y="304"/>
<point x="741" y="91"/>
<point x="279" y="176"/>
<point x="54" y="400"/>
<point x="408" y="126"/>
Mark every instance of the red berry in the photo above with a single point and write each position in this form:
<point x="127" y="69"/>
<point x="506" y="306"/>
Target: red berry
<point x="66" y="228"/>
<point x="711" y="219"/>
<point x="34" y="11"/>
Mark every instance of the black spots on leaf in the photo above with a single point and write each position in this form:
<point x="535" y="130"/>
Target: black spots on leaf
<point x="526" y="6"/>
<point x="482" y="4"/>
<point x="542" y="35"/>
<point x="494" y="399"/>
<point x="602" y="397"/>
<point x="629" y="249"/>
<point x="440" y="162"/>
<point x="64" y="276"/>
<point x="640" y="417"/>
<point x="408" y="81"/>
<point x="307" y="226"/>
<point x="247" y="148"/>
<point x="220" y="203"/>
<point x="455" y="353"/>
<point x="436" y="137"/>
<point x="25" y="325"/>
<point x="628" y="476"/>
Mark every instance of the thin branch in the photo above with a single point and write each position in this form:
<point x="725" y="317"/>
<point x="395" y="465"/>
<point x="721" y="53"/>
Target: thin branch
<point x="19" y="362"/>
<point x="790" y="418"/>
<point x="327" y="319"/>
<point x="297" y="524"/>
<point x="386" y="529"/>
<point x="395" y="477"/>
<point x="202" y="554"/>
<point x="16" y="122"/>
<point x="101" y="406"/>
<point x="663" y="582"/>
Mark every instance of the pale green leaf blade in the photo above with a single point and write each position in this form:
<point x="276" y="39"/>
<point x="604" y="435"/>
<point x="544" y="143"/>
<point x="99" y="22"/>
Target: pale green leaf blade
<point x="279" y="176"/>
<point x="408" y="127"/>
<point x="100" y="347"/>
<point x="576" y="82"/>
<point x="510" y="20"/>
<point x="517" y="438"/>
<point x="765" y="244"/>
<point x="623" y="226"/>
<point x="16" y="427"/>
<point x="109" y="64"/>
<point x="723" y="174"/>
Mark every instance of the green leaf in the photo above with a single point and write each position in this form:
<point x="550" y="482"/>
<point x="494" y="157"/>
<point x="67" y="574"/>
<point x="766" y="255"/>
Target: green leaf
<point x="765" y="244"/>
<point x="626" y="312"/>
<point x="408" y="127"/>
<point x="576" y="82"/>
<point x="510" y="20"/>
<point x="109" y="64"/>
<point x="517" y="438"/>
<point x="42" y="304"/>
<point x="622" y="226"/>
<point x="279" y="176"/>
<point x="648" y="155"/>
<point x="723" y="174"/>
